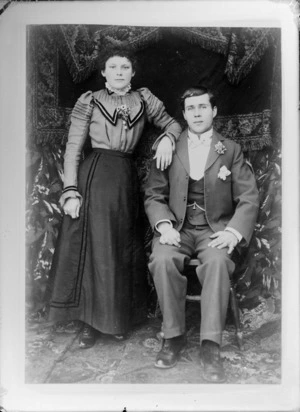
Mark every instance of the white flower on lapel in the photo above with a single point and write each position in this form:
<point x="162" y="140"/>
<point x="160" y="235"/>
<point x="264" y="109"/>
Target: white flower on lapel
<point x="220" y="148"/>
<point x="223" y="173"/>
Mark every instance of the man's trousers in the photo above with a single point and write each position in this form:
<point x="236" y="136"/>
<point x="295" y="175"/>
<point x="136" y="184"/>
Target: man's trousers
<point x="166" y="266"/>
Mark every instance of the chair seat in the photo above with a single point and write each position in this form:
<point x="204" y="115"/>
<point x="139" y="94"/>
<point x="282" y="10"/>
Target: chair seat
<point x="194" y="262"/>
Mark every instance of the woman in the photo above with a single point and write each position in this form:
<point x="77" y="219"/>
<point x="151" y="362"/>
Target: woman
<point x="98" y="267"/>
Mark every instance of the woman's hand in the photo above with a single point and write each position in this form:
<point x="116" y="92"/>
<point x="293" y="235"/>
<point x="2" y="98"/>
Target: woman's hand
<point x="164" y="153"/>
<point x="72" y="207"/>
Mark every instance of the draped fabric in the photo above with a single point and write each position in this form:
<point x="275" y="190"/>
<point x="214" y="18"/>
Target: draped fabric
<point x="243" y="48"/>
<point x="237" y="63"/>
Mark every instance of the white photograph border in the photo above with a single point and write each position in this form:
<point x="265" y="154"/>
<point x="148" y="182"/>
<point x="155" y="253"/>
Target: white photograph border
<point x="15" y="395"/>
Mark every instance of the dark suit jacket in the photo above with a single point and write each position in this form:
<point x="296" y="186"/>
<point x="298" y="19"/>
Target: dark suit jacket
<point x="233" y="202"/>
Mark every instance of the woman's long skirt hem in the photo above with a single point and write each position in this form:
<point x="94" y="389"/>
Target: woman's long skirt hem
<point x="98" y="272"/>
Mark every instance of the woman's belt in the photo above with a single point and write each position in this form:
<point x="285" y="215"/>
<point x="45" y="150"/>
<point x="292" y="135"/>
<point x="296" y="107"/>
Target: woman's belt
<point x="112" y="152"/>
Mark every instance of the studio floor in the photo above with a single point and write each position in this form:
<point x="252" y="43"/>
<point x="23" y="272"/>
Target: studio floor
<point x="53" y="355"/>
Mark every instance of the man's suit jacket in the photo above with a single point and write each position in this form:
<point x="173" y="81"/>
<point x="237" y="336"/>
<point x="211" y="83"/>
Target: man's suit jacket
<point x="232" y="202"/>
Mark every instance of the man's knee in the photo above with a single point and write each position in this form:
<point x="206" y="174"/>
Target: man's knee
<point x="164" y="259"/>
<point x="217" y="261"/>
<point x="216" y="256"/>
<point x="161" y="260"/>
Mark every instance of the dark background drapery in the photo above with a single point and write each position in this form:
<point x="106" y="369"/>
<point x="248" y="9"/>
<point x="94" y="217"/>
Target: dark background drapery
<point x="243" y="66"/>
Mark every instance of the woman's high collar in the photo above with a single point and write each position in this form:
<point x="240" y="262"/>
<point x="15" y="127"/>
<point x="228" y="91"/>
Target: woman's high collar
<point x="121" y="92"/>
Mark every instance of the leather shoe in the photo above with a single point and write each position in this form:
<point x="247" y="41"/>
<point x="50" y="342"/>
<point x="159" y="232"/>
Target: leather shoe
<point x="169" y="354"/>
<point x="87" y="337"/>
<point x="213" y="371"/>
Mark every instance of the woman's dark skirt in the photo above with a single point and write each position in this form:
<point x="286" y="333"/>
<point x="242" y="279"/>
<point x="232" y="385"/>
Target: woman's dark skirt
<point x="98" y="272"/>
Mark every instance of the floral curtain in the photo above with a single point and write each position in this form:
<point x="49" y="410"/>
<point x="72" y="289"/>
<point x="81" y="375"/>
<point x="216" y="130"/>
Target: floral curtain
<point x="243" y="48"/>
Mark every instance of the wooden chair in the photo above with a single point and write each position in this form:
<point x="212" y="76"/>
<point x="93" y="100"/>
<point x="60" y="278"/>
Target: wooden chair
<point x="191" y="265"/>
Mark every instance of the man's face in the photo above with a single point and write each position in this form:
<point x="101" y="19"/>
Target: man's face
<point x="199" y="114"/>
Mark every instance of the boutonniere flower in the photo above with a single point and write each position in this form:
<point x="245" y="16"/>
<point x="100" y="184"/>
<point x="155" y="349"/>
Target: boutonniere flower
<point x="220" y="148"/>
<point x="223" y="173"/>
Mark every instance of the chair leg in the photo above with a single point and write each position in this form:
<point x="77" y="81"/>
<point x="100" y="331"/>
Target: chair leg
<point x="236" y="315"/>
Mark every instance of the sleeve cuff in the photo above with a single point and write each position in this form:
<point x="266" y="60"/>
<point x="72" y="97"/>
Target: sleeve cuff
<point x="160" y="221"/>
<point x="158" y="140"/>
<point x="70" y="188"/>
<point x="235" y="232"/>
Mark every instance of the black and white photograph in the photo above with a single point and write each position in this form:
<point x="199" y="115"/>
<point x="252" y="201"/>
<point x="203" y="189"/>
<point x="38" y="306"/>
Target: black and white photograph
<point x="150" y="219"/>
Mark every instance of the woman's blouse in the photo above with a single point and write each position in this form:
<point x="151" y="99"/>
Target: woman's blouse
<point x="113" y="122"/>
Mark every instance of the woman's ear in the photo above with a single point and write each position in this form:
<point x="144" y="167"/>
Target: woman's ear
<point x="133" y="74"/>
<point x="103" y="73"/>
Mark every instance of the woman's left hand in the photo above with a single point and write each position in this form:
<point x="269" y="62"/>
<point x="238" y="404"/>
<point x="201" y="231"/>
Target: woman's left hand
<point x="164" y="153"/>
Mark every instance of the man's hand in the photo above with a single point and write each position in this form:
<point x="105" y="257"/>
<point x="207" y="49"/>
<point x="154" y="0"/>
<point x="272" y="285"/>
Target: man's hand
<point x="169" y="235"/>
<point x="71" y="207"/>
<point x="164" y="153"/>
<point x="224" y="239"/>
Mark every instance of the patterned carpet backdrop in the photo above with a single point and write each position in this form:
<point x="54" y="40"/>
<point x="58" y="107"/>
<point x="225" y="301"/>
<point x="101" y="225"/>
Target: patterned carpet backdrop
<point x="242" y="64"/>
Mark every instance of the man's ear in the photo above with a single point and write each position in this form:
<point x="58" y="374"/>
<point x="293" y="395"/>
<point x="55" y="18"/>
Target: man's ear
<point x="133" y="74"/>
<point x="103" y="73"/>
<point x="215" y="111"/>
<point x="183" y="114"/>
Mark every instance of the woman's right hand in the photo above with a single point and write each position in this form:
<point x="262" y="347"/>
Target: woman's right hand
<point x="72" y="207"/>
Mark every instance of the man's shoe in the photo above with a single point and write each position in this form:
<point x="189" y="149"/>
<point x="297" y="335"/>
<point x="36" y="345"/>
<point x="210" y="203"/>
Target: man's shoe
<point x="213" y="371"/>
<point x="170" y="352"/>
<point x="87" y="337"/>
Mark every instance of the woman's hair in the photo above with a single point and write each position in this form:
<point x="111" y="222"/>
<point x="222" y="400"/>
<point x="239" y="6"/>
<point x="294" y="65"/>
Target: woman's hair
<point x="198" y="91"/>
<point x="119" y="51"/>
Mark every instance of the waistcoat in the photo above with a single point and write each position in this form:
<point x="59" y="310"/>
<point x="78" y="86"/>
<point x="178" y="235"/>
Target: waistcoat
<point x="195" y="215"/>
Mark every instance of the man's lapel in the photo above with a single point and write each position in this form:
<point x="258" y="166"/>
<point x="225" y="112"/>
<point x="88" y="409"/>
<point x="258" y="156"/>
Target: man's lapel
<point x="182" y="150"/>
<point x="213" y="155"/>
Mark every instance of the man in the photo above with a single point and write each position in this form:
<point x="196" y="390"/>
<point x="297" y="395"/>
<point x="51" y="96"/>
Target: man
<point x="204" y="204"/>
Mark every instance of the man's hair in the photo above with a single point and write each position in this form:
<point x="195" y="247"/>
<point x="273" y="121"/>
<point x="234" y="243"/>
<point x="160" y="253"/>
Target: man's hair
<point x="198" y="91"/>
<point x="116" y="51"/>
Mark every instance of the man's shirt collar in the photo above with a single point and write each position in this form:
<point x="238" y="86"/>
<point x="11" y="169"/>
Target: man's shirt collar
<point x="205" y="138"/>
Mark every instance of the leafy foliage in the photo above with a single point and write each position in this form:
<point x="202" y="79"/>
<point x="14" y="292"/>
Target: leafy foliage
<point x="259" y="268"/>
<point x="43" y="217"/>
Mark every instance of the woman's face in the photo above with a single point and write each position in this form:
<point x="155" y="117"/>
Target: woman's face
<point x="118" y="72"/>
